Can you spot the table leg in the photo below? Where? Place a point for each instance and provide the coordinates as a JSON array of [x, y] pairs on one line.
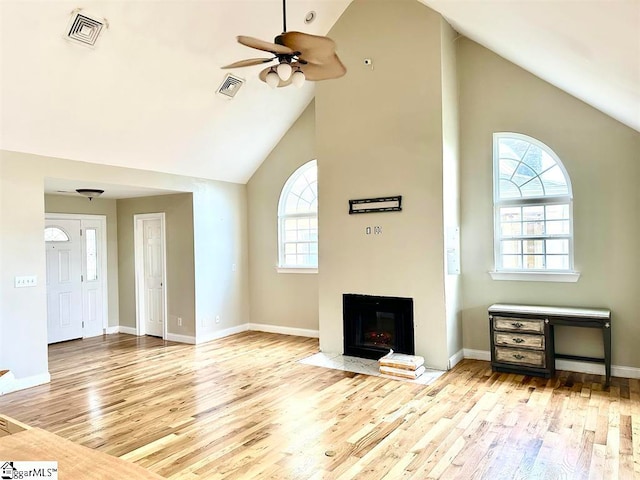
[[606, 338]]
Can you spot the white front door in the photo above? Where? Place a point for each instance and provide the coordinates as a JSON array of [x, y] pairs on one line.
[[152, 275], [64, 284]]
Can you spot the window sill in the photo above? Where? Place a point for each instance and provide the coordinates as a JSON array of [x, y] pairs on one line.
[[296, 270], [566, 277]]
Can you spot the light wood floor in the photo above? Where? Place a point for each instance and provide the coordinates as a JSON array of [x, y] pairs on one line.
[[242, 408]]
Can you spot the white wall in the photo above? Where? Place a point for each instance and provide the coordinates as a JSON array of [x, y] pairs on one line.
[[222, 259], [23, 318]]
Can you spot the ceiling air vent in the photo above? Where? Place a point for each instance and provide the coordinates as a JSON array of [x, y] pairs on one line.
[[230, 86], [84, 28]]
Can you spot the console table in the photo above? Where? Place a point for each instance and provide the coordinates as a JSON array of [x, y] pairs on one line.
[[522, 337]]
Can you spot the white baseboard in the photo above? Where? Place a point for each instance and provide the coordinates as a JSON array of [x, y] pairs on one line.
[[174, 337], [624, 372], [298, 332], [455, 359], [127, 330], [26, 382], [597, 368], [569, 365], [477, 354], [6, 382], [208, 336]]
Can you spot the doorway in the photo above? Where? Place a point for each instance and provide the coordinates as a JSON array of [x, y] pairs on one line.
[[76, 276], [150, 277]]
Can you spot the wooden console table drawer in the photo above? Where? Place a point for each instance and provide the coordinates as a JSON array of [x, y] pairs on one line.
[[520, 356], [518, 324], [519, 340]]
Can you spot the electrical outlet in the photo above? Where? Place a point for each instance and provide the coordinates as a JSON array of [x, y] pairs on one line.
[[179, 321], [233, 267], [26, 281], [217, 318]]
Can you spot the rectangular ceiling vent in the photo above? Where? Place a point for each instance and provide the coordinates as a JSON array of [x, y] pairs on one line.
[[230, 86], [85, 29]]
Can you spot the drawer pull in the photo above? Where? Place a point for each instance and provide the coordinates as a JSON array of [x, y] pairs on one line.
[[517, 324], [517, 356], [517, 340]]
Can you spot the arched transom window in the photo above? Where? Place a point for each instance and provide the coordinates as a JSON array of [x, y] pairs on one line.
[[532, 206], [298, 219], [55, 234]]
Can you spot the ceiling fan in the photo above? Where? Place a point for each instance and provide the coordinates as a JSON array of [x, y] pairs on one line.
[[300, 57]]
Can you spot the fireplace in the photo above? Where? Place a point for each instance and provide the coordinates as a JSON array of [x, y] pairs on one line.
[[374, 325]]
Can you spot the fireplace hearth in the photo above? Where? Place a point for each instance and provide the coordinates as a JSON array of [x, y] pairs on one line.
[[374, 325]]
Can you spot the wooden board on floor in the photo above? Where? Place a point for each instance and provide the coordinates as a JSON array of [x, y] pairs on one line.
[[74, 461]]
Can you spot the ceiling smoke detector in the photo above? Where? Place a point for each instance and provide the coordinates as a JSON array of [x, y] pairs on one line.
[[230, 86], [84, 28], [310, 17]]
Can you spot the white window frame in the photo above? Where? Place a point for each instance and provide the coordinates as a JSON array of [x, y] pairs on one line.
[[522, 274], [283, 216]]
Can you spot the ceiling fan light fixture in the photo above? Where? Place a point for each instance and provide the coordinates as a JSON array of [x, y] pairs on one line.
[[272, 79], [284, 71], [298, 78]]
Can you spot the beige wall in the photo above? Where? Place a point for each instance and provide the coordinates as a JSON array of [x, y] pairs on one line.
[[97, 206], [219, 218], [602, 158], [180, 287], [379, 132], [297, 294], [451, 187]]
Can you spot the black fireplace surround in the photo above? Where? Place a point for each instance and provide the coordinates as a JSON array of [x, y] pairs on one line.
[[374, 325]]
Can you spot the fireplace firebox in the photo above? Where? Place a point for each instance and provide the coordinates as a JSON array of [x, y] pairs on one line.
[[374, 325]]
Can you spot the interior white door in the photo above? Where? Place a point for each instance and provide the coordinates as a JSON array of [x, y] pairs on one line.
[[153, 264], [64, 285], [93, 277]]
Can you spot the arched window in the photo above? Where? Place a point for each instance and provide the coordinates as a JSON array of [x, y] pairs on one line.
[[532, 207], [298, 219], [55, 234]]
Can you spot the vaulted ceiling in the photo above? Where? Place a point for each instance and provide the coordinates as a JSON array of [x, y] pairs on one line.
[[145, 96]]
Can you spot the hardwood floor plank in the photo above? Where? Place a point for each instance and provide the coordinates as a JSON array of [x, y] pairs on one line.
[[242, 407]]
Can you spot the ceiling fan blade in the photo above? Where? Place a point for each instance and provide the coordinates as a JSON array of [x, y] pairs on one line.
[[313, 48], [318, 59], [249, 62], [263, 77], [264, 46]]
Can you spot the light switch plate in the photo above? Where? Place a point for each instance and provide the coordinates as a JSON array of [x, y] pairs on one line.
[[26, 281]]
